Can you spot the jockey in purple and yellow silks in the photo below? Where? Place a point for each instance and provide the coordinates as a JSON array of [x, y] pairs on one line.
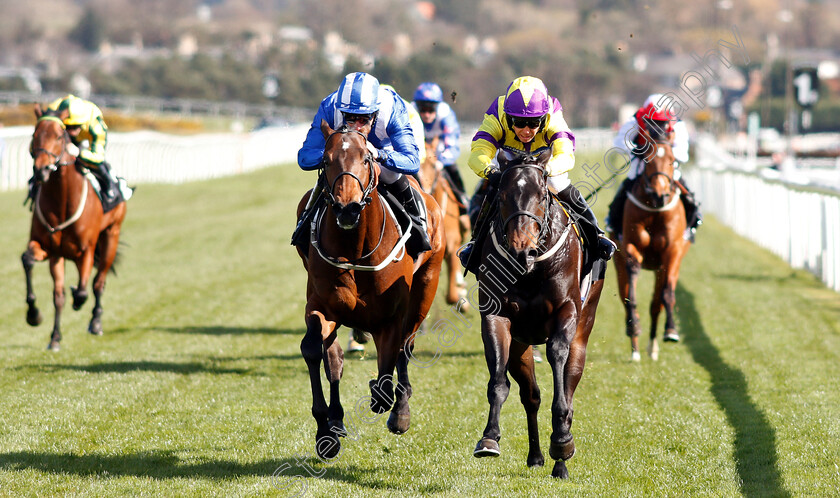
[[526, 118]]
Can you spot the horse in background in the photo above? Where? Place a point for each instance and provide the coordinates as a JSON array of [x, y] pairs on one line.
[[360, 275], [436, 183], [530, 293], [653, 238], [68, 222]]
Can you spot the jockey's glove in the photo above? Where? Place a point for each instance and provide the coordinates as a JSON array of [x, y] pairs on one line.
[[72, 149], [378, 154], [493, 177]]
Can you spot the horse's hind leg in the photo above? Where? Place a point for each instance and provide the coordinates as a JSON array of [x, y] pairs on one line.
[[108, 243], [33, 254], [495, 333], [521, 368], [312, 347], [633, 268], [57, 272], [400, 419]]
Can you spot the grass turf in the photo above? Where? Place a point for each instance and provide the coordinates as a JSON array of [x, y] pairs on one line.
[[197, 387]]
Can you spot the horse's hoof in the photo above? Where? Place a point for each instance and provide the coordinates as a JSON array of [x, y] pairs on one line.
[[562, 451], [53, 346], [536, 459], [671, 336], [487, 448], [560, 471], [95, 327], [399, 423], [327, 447], [635, 356], [337, 428], [33, 317]]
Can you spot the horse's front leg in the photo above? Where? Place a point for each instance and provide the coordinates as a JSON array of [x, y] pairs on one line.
[[669, 298], [319, 343], [57, 272], [33, 254], [562, 445], [495, 333], [521, 367]]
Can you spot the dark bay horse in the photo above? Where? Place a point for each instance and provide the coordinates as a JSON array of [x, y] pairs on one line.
[[359, 275], [67, 223], [435, 183], [653, 238], [530, 293]]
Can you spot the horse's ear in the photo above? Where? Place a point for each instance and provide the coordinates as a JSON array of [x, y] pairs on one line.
[[325, 128], [504, 157], [544, 156], [38, 111]]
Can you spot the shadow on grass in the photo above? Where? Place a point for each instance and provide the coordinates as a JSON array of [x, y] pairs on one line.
[[220, 330], [756, 460], [289, 475], [149, 366]]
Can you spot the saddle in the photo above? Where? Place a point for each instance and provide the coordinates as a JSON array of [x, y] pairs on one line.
[[108, 192]]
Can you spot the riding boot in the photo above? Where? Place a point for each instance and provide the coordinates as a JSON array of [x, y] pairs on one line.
[[457, 187], [300, 237], [693, 217], [593, 236], [484, 200], [477, 201], [107, 183], [615, 217], [418, 242]]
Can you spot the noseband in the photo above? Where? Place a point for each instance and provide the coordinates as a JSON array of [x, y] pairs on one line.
[[540, 221], [330, 188]]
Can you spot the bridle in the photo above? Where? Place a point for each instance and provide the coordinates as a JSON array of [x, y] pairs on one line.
[[329, 188], [542, 222], [647, 188], [56, 158], [54, 166]]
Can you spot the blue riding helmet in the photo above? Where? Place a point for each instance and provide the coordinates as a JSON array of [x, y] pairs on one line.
[[428, 92], [358, 94]]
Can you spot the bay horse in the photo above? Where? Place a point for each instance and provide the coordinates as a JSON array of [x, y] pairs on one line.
[[67, 223], [652, 238], [435, 183], [530, 293], [359, 275]]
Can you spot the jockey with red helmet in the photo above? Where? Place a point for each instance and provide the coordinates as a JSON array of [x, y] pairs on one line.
[[360, 101], [526, 118], [651, 122]]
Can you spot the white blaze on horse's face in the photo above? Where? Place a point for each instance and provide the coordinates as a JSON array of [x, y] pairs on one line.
[[346, 145], [521, 183], [660, 152]]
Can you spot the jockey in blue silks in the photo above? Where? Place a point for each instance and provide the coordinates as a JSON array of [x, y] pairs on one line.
[[358, 101]]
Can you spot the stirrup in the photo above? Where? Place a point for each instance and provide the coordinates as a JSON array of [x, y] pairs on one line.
[[606, 248]]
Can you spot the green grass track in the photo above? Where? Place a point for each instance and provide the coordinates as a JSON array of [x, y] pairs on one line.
[[198, 388]]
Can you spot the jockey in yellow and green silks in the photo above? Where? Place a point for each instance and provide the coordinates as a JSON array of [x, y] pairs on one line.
[[87, 117], [89, 134], [528, 119]]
